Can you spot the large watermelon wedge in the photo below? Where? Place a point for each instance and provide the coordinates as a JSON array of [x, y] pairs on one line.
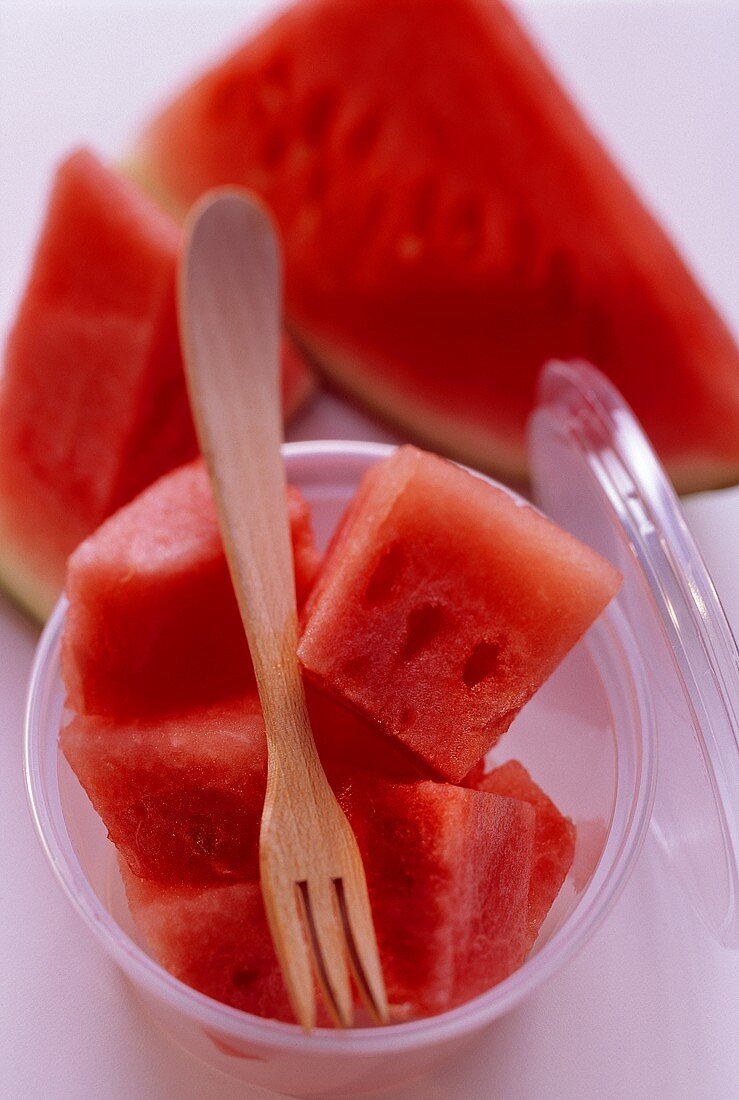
[[450, 223], [92, 402]]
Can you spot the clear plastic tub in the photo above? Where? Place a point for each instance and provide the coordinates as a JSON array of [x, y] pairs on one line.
[[589, 737]]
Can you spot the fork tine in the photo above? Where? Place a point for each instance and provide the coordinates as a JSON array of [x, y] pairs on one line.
[[289, 935], [323, 919], [361, 942]]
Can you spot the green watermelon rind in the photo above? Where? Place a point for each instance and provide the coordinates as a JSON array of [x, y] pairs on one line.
[[23, 585], [466, 441]]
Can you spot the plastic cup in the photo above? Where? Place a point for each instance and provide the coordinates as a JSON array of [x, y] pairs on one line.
[[588, 737]]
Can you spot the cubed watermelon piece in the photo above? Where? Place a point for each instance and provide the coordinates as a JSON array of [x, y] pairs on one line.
[[348, 743], [181, 796], [448, 872], [554, 836], [153, 622], [448, 877], [443, 604], [213, 938], [93, 405]]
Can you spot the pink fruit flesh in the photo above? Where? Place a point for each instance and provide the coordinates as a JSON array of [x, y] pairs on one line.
[[181, 796], [443, 604], [153, 623], [93, 405], [448, 872], [214, 938], [448, 877], [554, 836], [450, 224]]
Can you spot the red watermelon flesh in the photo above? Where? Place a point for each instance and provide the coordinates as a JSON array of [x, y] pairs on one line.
[[180, 796], [443, 604], [93, 404], [153, 622], [450, 223], [448, 872], [348, 742], [214, 938], [554, 836], [448, 877]]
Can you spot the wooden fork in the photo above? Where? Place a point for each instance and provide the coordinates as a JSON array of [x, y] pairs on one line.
[[313, 882]]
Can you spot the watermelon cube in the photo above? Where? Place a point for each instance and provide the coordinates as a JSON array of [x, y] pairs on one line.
[[213, 938], [181, 796], [443, 604], [448, 872], [348, 743], [153, 622], [554, 836], [93, 405]]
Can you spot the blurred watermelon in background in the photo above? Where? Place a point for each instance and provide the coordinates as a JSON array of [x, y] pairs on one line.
[[450, 223]]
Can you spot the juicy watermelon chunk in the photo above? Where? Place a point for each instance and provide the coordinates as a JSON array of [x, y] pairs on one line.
[[554, 836], [442, 606], [348, 742], [153, 622], [448, 873], [448, 878], [180, 796], [93, 404], [213, 938], [450, 223]]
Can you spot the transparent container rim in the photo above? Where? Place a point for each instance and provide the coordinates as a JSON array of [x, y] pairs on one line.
[[593, 906]]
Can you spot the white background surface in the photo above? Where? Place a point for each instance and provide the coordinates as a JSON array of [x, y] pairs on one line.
[[650, 1009]]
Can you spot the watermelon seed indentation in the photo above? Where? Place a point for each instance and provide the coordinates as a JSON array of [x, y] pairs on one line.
[[320, 111], [482, 663], [406, 717], [242, 979], [425, 623], [384, 575], [468, 220], [274, 148], [363, 135]]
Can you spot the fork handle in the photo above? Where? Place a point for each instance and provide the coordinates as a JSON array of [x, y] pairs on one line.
[[229, 300]]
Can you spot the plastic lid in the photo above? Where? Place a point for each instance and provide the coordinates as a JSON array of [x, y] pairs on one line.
[[596, 474]]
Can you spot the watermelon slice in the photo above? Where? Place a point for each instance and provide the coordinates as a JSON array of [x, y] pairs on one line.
[[554, 836], [448, 878], [93, 404], [349, 742], [442, 606], [214, 938], [153, 622], [181, 796], [450, 223], [449, 904]]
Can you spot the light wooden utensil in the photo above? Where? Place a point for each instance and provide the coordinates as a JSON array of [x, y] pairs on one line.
[[313, 882]]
